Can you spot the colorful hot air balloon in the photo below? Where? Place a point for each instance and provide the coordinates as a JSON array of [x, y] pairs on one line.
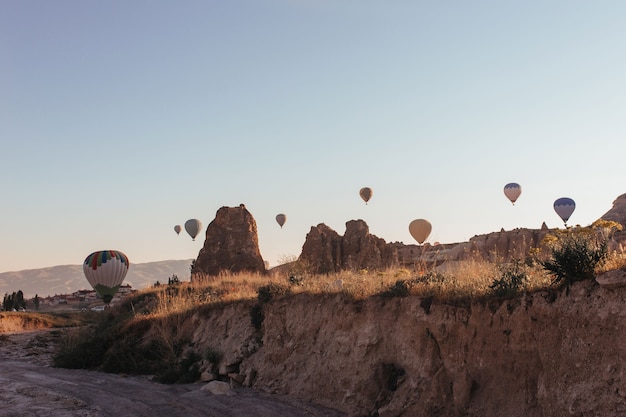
[[420, 230], [366, 193], [564, 207], [105, 270], [193, 227], [281, 219], [512, 191], [177, 229]]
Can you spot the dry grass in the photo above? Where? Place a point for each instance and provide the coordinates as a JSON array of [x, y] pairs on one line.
[[616, 260], [23, 321], [454, 280]]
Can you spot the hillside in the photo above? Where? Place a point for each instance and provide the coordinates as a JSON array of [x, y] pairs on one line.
[[66, 279]]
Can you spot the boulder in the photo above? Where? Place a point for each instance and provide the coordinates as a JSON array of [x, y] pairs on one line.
[[231, 244], [218, 388]]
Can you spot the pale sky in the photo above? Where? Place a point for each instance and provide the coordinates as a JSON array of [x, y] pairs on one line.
[[120, 119]]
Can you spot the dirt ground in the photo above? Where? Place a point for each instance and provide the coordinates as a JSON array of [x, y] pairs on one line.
[[30, 386]]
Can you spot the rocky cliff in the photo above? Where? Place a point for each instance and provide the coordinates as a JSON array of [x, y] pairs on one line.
[[544, 354]]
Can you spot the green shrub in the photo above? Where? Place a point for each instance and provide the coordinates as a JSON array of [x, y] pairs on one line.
[[268, 292], [574, 257], [513, 278]]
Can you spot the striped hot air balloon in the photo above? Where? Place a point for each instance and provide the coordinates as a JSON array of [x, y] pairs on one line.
[[105, 270]]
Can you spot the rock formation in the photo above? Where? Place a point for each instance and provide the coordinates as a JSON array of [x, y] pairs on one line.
[[325, 251], [618, 211], [618, 214], [231, 244]]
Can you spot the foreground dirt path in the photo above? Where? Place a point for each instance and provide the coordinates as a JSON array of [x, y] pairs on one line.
[[30, 387]]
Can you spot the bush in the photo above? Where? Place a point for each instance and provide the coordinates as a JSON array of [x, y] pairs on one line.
[[269, 292], [574, 257], [401, 288], [513, 278]]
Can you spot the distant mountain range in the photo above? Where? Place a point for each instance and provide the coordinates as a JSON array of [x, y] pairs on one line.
[[66, 279]]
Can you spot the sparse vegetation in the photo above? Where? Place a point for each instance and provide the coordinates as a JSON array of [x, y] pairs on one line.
[[150, 332], [513, 278]]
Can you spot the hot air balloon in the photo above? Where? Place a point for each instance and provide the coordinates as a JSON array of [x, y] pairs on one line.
[[281, 219], [366, 193], [177, 229], [512, 191], [193, 227], [105, 270], [420, 229], [564, 207]]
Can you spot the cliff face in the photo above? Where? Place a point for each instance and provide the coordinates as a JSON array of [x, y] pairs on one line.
[[545, 354]]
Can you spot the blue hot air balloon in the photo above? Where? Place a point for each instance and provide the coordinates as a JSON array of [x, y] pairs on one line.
[[564, 207], [512, 191]]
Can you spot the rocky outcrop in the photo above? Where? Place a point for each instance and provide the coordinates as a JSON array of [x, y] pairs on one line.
[[618, 211], [231, 244], [542, 354], [325, 251], [503, 246], [618, 214]]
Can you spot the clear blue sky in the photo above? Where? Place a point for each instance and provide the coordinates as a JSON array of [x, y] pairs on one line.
[[121, 119]]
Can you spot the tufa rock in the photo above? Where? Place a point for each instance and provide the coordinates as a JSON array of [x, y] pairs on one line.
[[231, 244], [618, 211], [325, 251]]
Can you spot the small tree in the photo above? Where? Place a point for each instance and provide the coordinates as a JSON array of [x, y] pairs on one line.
[[575, 254], [8, 302], [19, 300]]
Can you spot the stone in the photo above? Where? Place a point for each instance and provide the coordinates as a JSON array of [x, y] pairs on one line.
[[231, 244], [218, 388], [612, 279]]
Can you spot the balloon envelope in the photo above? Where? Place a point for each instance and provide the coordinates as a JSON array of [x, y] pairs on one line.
[[177, 229], [366, 193], [564, 207], [193, 227], [281, 219], [420, 230], [512, 191], [105, 270]]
